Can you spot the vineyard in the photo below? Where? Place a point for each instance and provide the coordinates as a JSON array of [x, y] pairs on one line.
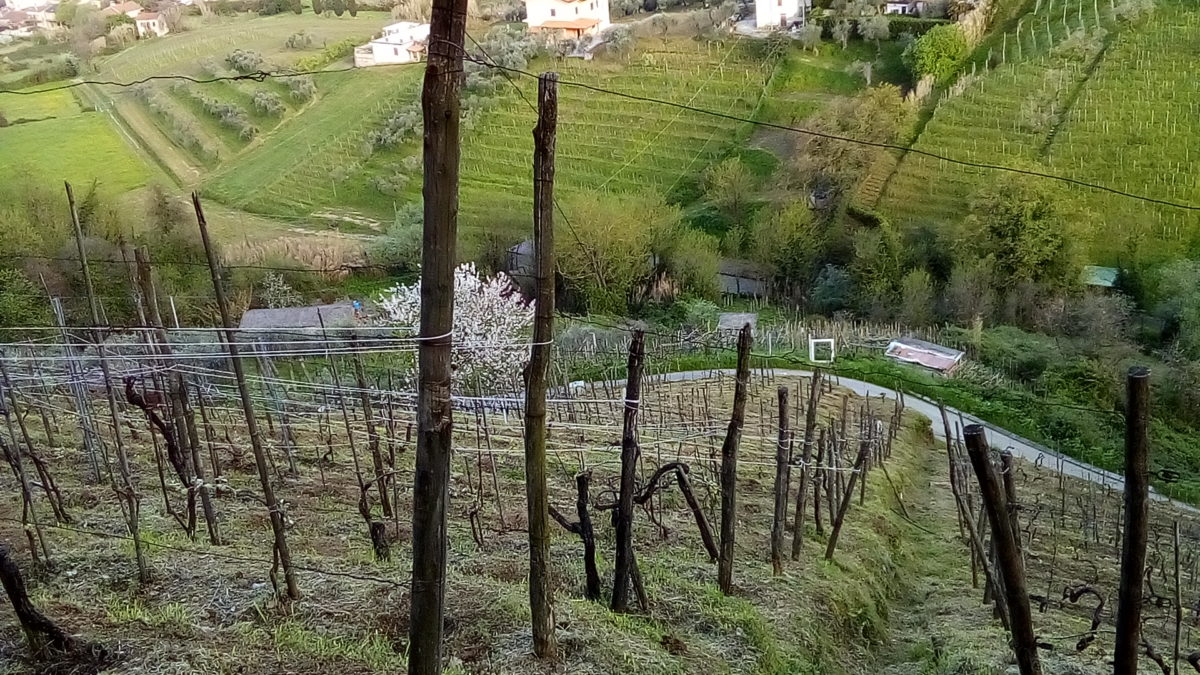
[[326, 418], [1078, 92], [882, 577], [617, 145]]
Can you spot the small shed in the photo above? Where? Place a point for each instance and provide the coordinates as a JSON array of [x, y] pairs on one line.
[[927, 354], [1101, 277], [286, 324], [734, 321]]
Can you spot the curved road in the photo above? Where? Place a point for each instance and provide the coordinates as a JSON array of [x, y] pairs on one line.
[[997, 437]]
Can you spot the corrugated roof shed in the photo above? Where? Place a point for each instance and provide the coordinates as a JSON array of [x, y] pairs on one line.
[[339, 314], [927, 354], [1100, 276]]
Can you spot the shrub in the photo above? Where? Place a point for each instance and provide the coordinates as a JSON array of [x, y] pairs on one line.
[[268, 103], [400, 248], [244, 61], [938, 53], [299, 40], [301, 87], [328, 54], [400, 126]]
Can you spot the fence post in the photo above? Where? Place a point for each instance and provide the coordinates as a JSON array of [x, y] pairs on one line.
[[729, 457], [1008, 555], [239, 373], [782, 484], [629, 453], [541, 592], [1133, 549]]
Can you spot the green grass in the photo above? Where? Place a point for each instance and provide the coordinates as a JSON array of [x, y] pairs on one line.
[[216, 37], [1126, 120], [288, 170], [38, 106], [77, 146]]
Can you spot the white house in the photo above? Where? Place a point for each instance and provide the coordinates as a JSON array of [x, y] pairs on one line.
[[905, 7], [151, 24], [780, 13], [45, 17], [23, 5], [402, 42], [130, 9], [573, 18]]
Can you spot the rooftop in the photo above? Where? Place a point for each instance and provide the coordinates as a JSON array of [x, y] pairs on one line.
[[1100, 276], [574, 24], [335, 315], [927, 354]]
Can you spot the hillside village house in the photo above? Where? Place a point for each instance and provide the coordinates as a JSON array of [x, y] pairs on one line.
[[151, 24], [130, 9], [26, 5], [571, 18], [402, 42], [780, 13], [905, 7]]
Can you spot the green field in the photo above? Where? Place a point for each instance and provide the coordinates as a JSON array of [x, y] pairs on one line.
[[312, 163], [67, 142], [1126, 118]]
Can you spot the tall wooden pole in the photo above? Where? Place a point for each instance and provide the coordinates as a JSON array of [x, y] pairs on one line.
[[729, 458], [806, 475], [629, 456], [235, 361], [1008, 555], [782, 485], [1137, 492], [541, 593], [440, 109], [125, 492], [178, 391]]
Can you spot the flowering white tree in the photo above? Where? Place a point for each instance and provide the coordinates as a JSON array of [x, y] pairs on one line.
[[491, 322]]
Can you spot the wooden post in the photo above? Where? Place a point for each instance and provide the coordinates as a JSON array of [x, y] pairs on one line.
[[806, 476], [856, 474], [729, 457], [235, 361], [1011, 567], [440, 109], [178, 390], [381, 474], [1133, 549], [541, 592], [1178, 600], [125, 492], [79, 395], [629, 455], [782, 485], [1010, 495]]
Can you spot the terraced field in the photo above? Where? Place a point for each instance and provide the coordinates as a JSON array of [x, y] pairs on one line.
[[1125, 116], [605, 142]]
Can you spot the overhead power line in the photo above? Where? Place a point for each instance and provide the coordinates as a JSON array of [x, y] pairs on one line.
[[256, 76]]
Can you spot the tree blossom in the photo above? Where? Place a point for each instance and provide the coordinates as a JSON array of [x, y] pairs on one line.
[[491, 325]]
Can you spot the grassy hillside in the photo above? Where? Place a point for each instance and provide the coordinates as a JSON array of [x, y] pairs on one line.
[[52, 138], [1112, 108]]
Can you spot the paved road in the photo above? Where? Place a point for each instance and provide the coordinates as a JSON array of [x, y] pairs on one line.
[[1000, 438]]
